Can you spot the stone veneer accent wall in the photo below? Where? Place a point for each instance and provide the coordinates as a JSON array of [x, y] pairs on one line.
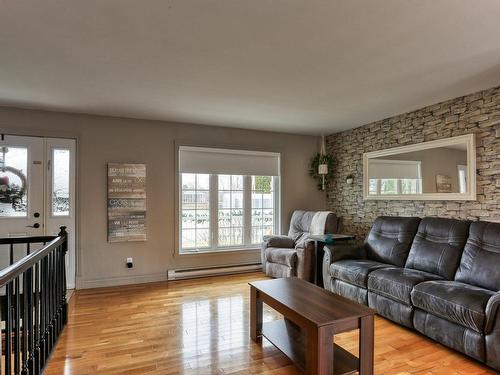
[[477, 113]]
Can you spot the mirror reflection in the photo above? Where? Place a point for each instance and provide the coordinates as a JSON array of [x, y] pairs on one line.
[[429, 171]]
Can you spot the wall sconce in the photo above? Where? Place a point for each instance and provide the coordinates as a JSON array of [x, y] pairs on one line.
[[349, 179]]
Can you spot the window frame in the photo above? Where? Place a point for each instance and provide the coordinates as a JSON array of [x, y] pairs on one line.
[[399, 186], [195, 210], [214, 247]]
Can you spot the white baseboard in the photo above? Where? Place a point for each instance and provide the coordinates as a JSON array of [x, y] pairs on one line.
[[122, 280], [69, 293], [172, 275]]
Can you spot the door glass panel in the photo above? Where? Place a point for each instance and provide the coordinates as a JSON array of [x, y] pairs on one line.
[[60, 182], [13, 181]]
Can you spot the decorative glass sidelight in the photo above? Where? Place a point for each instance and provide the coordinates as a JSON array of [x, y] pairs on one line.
[[13, 181], [60, 182]]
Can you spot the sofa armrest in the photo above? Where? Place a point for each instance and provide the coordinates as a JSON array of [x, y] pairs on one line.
[[492, 312], [306, 261], [279, 241], [334, 253]]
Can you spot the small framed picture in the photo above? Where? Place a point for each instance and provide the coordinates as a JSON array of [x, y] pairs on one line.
[[443, 183]]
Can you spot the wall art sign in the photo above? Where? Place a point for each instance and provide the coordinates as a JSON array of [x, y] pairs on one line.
[[126, 202]]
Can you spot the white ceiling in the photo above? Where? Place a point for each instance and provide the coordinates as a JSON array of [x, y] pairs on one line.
[[301, 66]]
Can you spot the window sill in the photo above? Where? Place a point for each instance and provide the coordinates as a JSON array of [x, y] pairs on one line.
[[217, 251]]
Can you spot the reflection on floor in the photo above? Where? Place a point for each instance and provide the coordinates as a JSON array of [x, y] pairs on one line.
[[201, 327]]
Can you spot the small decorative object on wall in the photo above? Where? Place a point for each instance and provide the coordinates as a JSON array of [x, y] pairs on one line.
[[443, 183], [321, 167], [126, 202]]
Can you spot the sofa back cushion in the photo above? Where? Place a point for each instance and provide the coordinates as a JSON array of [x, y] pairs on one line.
[[480, 262], [300, 224], [438, 245], [390, 239]]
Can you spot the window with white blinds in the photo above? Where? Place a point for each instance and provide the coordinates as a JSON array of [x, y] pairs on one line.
[[229, 199], [389, 177]]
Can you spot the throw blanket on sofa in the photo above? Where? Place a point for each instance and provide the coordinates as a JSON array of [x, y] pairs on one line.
[[318, 222]]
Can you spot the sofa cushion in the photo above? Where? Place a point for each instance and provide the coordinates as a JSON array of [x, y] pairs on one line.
[[397, 283], [480, 262], [300, 223], [438, 245], [287, 257], [355, 271], [454, 301], [390, 239]]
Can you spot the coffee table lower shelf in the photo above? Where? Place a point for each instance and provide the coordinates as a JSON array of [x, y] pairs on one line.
[[289, 339]]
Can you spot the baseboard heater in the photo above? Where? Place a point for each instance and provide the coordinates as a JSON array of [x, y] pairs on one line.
[[191, 273]]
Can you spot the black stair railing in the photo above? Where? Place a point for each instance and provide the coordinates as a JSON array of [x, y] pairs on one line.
[[33, 305]]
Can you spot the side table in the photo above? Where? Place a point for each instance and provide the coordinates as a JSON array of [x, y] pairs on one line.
[[320, 241]]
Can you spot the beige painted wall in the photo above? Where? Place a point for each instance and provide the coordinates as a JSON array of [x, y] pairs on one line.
[[106, 139]]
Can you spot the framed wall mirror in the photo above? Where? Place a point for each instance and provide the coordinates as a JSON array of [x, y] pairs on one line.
[[437, 170]]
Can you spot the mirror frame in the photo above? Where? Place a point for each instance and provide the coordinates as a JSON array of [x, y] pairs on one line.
[[469, 139]]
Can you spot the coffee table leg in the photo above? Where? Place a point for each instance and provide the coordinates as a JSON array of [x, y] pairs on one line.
[[366, 346], [319, 351], [255, 315]]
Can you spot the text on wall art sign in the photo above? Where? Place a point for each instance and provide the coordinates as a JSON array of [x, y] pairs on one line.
[[126, 202]]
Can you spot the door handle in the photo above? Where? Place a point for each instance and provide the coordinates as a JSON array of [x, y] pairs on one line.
[[36, 226]]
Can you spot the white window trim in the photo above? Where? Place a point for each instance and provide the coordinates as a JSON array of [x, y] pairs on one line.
[[213, 208]]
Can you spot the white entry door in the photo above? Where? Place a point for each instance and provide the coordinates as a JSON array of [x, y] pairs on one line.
[[37, 191]]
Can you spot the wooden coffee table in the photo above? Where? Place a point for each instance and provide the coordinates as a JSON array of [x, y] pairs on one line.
[[312, 317]]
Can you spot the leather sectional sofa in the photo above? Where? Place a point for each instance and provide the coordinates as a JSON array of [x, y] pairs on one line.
[[438, 276]]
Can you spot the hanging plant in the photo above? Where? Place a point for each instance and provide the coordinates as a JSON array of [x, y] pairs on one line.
[[323, 179]]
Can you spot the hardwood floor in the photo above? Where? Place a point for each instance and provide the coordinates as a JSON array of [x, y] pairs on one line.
[[202, 327]]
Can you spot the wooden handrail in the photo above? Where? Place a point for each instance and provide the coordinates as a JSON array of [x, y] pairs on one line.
[[25, 239], [16, 269]]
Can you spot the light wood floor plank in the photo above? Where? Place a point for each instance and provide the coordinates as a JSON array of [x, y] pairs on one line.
[[200, 326]]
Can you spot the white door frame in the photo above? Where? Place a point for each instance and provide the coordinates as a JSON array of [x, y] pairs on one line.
[[43, 172]]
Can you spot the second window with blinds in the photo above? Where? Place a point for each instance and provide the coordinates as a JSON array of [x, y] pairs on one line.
[[223, 210]]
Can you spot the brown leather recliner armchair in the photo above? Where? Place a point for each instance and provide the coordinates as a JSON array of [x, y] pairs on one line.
[[293, 255]]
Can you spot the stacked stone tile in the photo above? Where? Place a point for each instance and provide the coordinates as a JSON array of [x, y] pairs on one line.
[[477, 113]]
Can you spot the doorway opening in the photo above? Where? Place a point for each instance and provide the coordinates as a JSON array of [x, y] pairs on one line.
[[37, 192]]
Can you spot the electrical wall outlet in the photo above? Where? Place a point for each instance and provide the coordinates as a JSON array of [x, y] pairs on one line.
[[130, 262]]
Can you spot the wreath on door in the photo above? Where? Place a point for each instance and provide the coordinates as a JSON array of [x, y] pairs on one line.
[[11, 193]]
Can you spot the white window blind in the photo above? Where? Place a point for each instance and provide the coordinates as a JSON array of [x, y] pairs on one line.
[[394, 169], [226, 161]]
